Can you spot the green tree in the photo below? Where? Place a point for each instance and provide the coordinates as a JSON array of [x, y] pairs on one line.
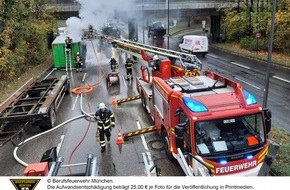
[[24, 24], [247, 18]]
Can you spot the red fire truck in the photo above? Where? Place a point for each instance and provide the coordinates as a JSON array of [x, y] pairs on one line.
[[217, 126]]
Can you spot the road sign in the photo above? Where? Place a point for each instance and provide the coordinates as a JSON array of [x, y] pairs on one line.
[[203, 23]]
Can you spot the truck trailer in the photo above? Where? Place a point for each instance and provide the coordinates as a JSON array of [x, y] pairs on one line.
[[35, 103]]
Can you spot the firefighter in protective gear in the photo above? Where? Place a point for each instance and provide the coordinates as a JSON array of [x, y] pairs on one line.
[[91, 31], [106, 121], [129, 67], [157, 62], [114, 64], [79, 62], [68, 42]]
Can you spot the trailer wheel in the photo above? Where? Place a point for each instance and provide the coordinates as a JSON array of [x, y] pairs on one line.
[[67, 87], [166, 145], [49, 122]]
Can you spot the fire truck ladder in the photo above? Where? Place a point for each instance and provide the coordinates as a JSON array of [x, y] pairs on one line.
[[135, 48], [68, 60], [128, 99], [139, 132]]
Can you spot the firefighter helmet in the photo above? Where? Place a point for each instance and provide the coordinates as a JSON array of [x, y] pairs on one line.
[[102, 105], [78, 53], [155, 57]]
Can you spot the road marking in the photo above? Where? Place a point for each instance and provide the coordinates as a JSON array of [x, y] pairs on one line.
[[142, 136], [124, 80], [248, 83], [279, 78], [237, 64], [74, 105], [145, 145], [84, 77], [212, 55]]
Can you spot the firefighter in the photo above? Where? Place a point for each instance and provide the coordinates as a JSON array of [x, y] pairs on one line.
[[68, 42], [91, 31], [106, 122], [113, 64], [157, 62], [129, 67], [79, 62]]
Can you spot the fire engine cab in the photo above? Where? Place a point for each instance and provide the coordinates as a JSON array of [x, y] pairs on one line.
[[216, 124]]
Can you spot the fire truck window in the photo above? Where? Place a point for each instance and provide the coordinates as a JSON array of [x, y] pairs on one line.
[[230, 134]]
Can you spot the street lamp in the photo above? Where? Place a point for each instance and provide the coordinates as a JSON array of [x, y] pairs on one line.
[[167, 24], [265, 99]]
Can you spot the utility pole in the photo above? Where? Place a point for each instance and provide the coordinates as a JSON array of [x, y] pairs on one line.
[[265, 99], [167, 24]]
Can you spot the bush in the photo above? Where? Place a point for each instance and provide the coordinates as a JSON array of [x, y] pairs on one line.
[[253, 44]]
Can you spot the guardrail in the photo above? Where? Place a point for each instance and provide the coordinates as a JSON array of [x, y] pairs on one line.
[[151, 5]]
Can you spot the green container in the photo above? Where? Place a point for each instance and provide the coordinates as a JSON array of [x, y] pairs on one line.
[[58, 51]]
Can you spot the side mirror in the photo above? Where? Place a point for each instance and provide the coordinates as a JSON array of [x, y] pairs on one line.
[[268, 115], [178, 112]]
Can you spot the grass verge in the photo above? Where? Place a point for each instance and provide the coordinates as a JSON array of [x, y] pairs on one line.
[[277, 58]]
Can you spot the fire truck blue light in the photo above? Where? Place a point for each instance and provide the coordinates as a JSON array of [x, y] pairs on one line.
[[249, 157], [194, 105], [250, 98], [223, 162]]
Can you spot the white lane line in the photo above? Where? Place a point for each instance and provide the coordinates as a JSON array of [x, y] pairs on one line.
[[74, 105], [84, 77], [212, 55], [248, 83], [124, 80], [145, 146], [279, 78], [142, 136], [237, 64]]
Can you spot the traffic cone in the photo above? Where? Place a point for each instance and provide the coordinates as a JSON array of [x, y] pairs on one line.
[[114, 101], [120, 138]]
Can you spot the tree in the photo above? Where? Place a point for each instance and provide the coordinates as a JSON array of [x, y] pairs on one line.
[[241, 26], [24, 24]]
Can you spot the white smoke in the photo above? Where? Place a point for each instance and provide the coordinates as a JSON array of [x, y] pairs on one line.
[[95, 13]]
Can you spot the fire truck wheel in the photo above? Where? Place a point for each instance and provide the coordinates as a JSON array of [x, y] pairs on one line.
[[166, 145], [143, 102], [49, 122], [67, 87]]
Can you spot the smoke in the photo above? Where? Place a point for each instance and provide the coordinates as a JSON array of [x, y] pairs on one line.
[[96, 13]]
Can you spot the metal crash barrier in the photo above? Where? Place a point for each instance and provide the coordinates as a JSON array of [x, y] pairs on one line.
[[91, 167]]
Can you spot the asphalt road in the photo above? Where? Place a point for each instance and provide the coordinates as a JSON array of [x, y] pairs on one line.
[[126, 159]]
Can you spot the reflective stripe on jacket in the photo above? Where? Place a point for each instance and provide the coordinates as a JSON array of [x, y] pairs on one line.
[[129, 65], [105, 119]]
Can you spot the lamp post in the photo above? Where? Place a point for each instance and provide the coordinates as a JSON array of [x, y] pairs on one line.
[[265, 99], [167, 24]]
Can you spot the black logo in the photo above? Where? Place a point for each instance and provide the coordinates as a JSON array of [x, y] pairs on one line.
[[25, 184]]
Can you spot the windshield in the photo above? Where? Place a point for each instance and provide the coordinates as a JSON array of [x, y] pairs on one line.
[[229, 135]]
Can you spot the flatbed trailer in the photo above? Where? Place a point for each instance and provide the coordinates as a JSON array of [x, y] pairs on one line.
[[36, 103]]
